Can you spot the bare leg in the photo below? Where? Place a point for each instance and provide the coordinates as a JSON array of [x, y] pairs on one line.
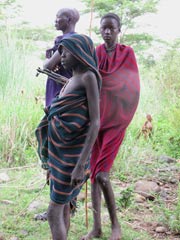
[[103, 179], [67, 216], [43, 216], [55, 216], [96, 232]]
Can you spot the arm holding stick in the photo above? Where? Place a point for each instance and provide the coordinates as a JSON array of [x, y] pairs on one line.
[[48, 67]]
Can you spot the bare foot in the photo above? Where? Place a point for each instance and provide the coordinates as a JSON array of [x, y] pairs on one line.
[[116, 233], [93, 234], [41, 216]]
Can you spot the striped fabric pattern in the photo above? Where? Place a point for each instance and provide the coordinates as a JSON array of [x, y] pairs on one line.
[[61, 135]]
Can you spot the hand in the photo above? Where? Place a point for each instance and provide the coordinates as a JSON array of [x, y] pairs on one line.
[[49, 53], [77, 175], [47, 177]]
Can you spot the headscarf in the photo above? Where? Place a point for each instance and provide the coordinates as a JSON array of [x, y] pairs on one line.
[[82, 48]]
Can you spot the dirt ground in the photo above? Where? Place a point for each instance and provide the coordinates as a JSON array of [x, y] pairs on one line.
[[146, 217]]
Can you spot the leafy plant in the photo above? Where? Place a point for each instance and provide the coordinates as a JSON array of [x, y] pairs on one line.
[[126, 198], [171, 217]]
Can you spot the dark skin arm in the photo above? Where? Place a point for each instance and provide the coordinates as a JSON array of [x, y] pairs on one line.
[[90, 84], [50, 63]]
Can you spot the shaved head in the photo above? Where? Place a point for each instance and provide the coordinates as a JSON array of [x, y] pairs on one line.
[[71, 13]]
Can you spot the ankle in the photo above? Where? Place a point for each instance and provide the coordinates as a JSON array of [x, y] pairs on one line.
[[97, 230], [116, 225]]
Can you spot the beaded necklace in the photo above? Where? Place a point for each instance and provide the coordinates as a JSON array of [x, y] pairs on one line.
[[110, 49]]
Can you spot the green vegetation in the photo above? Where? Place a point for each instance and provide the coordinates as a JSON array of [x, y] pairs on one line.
[[171, 217], [20, 111]]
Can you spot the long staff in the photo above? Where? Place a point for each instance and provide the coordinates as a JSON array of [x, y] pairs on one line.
[[86, 184]]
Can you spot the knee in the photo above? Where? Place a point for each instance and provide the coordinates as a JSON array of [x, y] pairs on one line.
[[102, 178], [52, 211]]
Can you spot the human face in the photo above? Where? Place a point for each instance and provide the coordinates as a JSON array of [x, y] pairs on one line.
[[68, 61], [61, 22], [109, 30]]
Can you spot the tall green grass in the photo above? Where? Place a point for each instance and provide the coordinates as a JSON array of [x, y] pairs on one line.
[[19, 110]]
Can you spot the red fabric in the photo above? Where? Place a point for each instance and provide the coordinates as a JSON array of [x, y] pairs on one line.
[[118, 103]]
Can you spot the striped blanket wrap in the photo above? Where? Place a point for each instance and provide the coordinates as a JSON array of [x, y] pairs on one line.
[[61, 135]]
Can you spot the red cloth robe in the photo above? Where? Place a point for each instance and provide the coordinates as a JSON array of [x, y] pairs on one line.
[[118, 102]]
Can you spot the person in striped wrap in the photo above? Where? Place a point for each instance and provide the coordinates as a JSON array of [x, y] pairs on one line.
[[67, 132]]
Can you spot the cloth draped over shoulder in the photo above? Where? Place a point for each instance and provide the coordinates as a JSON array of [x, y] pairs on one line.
[[62, 131], [118, 102]]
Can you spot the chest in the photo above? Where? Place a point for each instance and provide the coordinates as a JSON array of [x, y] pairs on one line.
[[73, 84]]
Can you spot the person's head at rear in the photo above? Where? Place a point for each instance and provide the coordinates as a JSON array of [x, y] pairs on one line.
[[66, 19], [110, 27]]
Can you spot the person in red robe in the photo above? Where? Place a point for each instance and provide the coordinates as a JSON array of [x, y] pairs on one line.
[[118, 103]]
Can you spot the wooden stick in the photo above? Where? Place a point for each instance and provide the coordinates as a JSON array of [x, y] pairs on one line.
[[55, 76], [86, 207], [24, 211], [18, 168]]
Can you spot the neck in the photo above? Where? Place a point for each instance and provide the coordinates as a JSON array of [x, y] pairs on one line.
[[69, 29], [80, 68], [110, 48]]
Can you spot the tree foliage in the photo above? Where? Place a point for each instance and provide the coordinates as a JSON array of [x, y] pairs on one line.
[[8, 9], [128, 11]]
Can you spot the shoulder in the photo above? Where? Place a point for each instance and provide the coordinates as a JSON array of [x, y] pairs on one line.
[[125, 48], [88, 75], [89, 78], [100, 51], [99, 47], [90, 83], [58, 39]]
